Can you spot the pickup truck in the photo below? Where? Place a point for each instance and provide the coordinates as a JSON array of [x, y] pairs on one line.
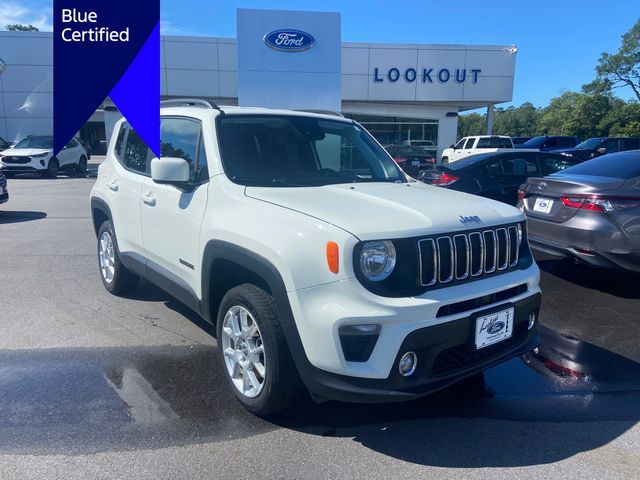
[[474, 145]]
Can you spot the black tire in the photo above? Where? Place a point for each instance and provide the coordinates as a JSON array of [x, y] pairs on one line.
[[81, 167], [52, 168], [122, 280], [282, 385]]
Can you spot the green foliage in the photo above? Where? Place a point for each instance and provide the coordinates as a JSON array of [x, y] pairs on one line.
[[16, 27], [621, 69], [592, 112]]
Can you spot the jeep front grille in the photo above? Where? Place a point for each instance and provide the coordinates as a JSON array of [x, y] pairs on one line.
[[461, 256]]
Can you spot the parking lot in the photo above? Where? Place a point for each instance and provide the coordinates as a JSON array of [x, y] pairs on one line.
[[96, 386]]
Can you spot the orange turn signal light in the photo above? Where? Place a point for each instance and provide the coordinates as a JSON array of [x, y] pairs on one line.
[[333, 256]]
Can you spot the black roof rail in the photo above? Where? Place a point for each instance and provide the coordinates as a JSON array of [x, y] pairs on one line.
[[323, 112], [190, 102]]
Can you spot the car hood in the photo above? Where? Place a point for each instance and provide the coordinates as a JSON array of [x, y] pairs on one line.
[[389, 210], [25, 152]]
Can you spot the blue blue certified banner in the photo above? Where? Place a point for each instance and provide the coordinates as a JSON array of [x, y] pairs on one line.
[[106, 48]]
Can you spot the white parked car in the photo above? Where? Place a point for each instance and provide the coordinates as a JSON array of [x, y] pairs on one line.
[[34, 154], [474, 145], [320, 265]]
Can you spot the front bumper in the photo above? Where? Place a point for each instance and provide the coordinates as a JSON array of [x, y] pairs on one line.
[[437, 320], [446, 354], [23, 168]]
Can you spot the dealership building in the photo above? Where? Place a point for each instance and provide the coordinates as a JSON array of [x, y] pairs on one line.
[[402, 93]]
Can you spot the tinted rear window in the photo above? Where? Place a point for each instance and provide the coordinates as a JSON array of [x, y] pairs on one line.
[[623, 165], [410, 151], [494, 142]]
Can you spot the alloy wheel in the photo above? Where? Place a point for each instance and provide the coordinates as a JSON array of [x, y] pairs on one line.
[[243, 349], [107, 257]]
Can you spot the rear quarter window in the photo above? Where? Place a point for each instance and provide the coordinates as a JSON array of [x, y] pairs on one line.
[[120, 140]]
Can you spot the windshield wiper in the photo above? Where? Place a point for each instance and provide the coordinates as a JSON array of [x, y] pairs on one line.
[[263, 182]]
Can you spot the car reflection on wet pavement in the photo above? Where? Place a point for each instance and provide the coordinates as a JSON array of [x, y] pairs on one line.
[[90, 400]]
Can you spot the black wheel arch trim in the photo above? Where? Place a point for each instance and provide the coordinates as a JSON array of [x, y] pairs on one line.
[[100, 205], [218, 249]]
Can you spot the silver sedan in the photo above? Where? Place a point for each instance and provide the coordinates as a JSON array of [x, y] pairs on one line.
[[589, 212]]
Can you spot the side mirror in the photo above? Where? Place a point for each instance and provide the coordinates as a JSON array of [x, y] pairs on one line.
[[171, 171], [452, 146], [601, 151]]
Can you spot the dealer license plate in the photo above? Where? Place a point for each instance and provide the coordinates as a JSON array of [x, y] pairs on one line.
[[415, 163], [494, 328], [543, 205]]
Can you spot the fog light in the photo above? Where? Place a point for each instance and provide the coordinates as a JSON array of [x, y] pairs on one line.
[[532, 320], [408, 364], [42, 162]]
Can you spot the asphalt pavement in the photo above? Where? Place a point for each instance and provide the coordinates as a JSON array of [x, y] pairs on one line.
[[98, 386]]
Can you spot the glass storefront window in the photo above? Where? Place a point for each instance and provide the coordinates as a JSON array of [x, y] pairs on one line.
[[400, 130]]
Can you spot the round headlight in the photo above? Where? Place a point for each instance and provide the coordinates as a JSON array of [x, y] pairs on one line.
[[377, 260]]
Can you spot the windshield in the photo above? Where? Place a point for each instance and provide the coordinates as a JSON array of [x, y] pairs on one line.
[[35, 142], [535, 142], [590, 143], [298, 151]]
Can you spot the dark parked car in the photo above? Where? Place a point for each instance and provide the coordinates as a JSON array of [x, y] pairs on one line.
[[547, 143], [519, 140], [594, 147], [495, 175], [410, 158], [4, 194], [4, 144], [589, 212]]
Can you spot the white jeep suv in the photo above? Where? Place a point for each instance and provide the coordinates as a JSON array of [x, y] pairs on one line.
[[321, 266]]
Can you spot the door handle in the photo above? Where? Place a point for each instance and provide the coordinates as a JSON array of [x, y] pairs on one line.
[[149, 199], [113, 186]]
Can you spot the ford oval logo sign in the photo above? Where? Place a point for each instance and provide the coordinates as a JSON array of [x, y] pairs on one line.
[[495, 327], [289, 40]]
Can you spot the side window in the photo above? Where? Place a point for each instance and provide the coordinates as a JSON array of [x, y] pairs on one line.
[[630, 144], [460, 144], [554, 163], [494, 168], [470, 142], [71, 143], [567, 142], [612, 145], [180, 137], [136, 153], [520, 166], [551, 143]]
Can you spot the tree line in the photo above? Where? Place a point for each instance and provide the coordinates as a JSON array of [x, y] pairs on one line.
[[594, 111]]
